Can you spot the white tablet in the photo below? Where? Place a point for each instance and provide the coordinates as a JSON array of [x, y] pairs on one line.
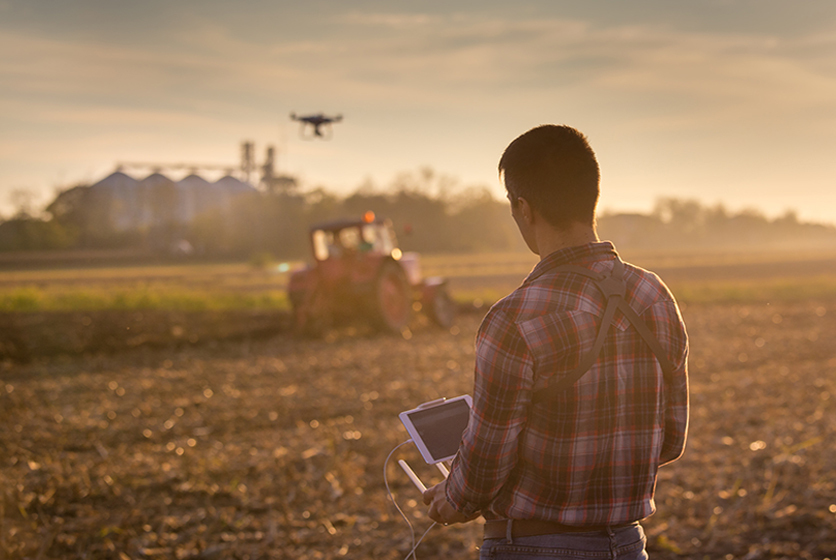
[[436, 427]]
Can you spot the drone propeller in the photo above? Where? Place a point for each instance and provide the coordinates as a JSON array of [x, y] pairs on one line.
[[319, 123]]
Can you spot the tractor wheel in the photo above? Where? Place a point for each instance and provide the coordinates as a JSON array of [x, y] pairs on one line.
[[312, 317], [392, 298], [442, 309]]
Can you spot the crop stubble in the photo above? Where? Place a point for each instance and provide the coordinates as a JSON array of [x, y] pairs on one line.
[[274, 448]]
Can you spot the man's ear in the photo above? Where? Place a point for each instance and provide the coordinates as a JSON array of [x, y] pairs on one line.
[[526, 211]]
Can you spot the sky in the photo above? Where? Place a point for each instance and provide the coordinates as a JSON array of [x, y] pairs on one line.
[[724, 101]]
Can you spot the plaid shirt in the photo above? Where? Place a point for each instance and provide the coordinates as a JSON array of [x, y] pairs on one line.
[[590, 456]]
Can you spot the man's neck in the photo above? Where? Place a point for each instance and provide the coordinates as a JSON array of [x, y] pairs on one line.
[[550, 239]]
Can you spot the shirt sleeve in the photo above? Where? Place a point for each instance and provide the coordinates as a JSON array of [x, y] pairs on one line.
[[676, 400], [501, 396]]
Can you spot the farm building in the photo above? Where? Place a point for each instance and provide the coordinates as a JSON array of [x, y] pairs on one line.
[[118, 194], [156, 200]]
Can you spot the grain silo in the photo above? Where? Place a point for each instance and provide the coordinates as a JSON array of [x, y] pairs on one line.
[[233, 186], [193, 197], [156, 201], [116, 197], [228, 187]]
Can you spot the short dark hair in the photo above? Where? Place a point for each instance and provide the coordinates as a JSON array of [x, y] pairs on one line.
[[555, 170]]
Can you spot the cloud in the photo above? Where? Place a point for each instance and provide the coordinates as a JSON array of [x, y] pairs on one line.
[[458, 55], [390, 20], [456, 60]]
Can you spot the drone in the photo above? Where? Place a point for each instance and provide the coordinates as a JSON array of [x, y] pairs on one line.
[[320, 123]]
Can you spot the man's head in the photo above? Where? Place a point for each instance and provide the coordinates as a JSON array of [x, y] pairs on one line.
[[555, 170]]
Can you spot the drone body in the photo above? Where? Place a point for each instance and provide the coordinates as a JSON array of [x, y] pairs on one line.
[[319, 124]]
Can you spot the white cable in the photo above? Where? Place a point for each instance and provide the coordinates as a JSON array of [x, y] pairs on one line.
[[397, 507], [412, 552], [391, 497]]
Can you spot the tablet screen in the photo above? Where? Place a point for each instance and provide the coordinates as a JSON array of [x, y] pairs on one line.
[[441, 427]]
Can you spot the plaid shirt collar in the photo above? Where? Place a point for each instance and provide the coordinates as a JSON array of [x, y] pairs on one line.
[[579, 254]]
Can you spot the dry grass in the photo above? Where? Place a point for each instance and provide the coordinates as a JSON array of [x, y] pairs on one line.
[[696, 277], [178, 287]]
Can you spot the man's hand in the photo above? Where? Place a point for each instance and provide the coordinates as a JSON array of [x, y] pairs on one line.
[[441, 511]]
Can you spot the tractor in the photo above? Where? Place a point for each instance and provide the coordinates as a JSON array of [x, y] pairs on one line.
[[359, 273]]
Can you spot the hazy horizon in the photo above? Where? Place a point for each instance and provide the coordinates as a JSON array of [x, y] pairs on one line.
[[727, 101]]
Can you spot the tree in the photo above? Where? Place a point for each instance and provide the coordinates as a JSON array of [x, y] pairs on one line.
[[25, 233]]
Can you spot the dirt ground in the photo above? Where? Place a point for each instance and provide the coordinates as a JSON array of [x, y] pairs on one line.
[[275, 447]]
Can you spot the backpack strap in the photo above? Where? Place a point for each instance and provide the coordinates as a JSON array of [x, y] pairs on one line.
[[614, 289]]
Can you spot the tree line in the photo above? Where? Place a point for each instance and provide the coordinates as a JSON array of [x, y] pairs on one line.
[[431, 213], [689, 224]]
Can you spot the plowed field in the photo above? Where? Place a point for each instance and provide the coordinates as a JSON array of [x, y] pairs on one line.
[[275, 447]]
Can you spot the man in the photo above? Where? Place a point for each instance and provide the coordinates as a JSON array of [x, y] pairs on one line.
[[569, 425]]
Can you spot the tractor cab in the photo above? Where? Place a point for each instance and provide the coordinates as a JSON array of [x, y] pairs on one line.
[[333, 240]]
